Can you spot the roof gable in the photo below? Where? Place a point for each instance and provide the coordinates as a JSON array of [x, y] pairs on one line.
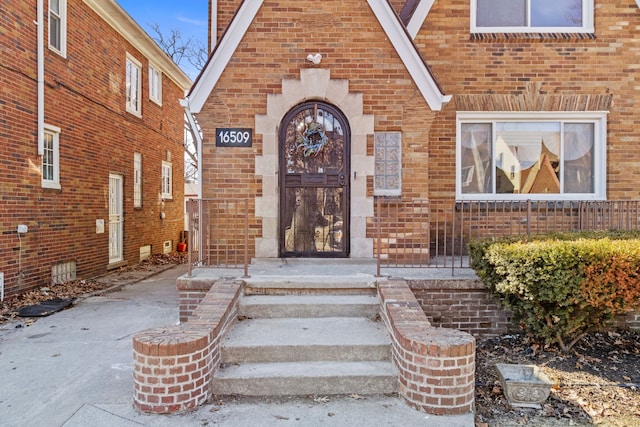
[[409, 54], [222, 54], [388, 19], [419, 15]]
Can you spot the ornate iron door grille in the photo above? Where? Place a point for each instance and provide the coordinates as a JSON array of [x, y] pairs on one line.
[[314, 182]]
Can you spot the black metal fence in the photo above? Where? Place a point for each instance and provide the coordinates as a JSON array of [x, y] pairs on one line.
[[410, 234]]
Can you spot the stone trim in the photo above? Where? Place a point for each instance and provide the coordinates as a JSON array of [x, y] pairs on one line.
[[314, 83]]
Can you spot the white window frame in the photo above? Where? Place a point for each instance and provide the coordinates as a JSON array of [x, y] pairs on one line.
[[54, 133], [167, 180], [155, 84], [61, 15], [599, 120], [133, 88], [588, 11], [137, 180]]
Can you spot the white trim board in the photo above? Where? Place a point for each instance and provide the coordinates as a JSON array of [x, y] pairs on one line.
[[419, 16], [222, 54], [409, 54], [387, 18]]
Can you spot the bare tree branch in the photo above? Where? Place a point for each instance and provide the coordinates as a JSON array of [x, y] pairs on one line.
[[195, 53]]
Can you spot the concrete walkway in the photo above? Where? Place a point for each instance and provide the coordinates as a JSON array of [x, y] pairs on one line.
[[74, 368]]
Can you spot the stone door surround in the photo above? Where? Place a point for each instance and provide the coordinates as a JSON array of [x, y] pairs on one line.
[[314, 84]]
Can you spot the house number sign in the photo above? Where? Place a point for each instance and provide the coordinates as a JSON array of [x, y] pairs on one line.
[[233, 137]]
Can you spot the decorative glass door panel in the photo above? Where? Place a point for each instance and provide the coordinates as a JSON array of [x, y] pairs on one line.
[[314, 182]]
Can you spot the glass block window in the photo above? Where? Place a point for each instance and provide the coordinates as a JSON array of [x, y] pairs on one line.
[[388, 164]]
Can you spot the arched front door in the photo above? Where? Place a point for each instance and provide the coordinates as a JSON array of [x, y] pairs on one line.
[[314, 182]]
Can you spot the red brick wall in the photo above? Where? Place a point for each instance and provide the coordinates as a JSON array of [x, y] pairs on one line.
[[275, 49], [84, 97], [467, 305], [190, 293], [226, 10], [174, 366], [436, 366], [477, 71], [549, 67], [461, 304]]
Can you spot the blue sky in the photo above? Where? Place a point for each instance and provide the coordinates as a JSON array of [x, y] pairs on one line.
[[189, 16]]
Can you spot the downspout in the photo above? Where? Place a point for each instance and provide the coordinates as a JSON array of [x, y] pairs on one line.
[[198, 140], [196, 134], [40, 42], [213, 26]]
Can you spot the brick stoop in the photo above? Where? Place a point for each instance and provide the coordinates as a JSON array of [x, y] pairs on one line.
[[304, 336], [306, 344], [436, 365], [173, 366]]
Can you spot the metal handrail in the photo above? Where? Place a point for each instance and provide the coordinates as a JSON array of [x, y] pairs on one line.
[[445, 227], [411, 233]]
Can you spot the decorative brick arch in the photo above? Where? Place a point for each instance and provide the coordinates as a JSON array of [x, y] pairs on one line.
[[314, 83]]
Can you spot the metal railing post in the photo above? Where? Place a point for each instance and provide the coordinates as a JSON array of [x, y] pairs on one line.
[[246, 238], [190, 237], [377, 217], [528, 217], [453, 237]]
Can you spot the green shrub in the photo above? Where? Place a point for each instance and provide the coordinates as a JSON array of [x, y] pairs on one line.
[[561, 286]]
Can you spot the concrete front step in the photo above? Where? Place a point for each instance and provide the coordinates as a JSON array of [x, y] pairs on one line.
[[307, 335], [306, 339], [304, 378], [355, 284], [265, 306]]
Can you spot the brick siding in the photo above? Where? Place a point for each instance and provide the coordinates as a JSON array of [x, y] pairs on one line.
[[461, 304], [190, 293], [85, 98], [436, 365], [555, 72], [467, 305], [174, 366]]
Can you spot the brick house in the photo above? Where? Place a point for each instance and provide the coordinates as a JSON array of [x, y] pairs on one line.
[[315, 113], [92, 142]]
